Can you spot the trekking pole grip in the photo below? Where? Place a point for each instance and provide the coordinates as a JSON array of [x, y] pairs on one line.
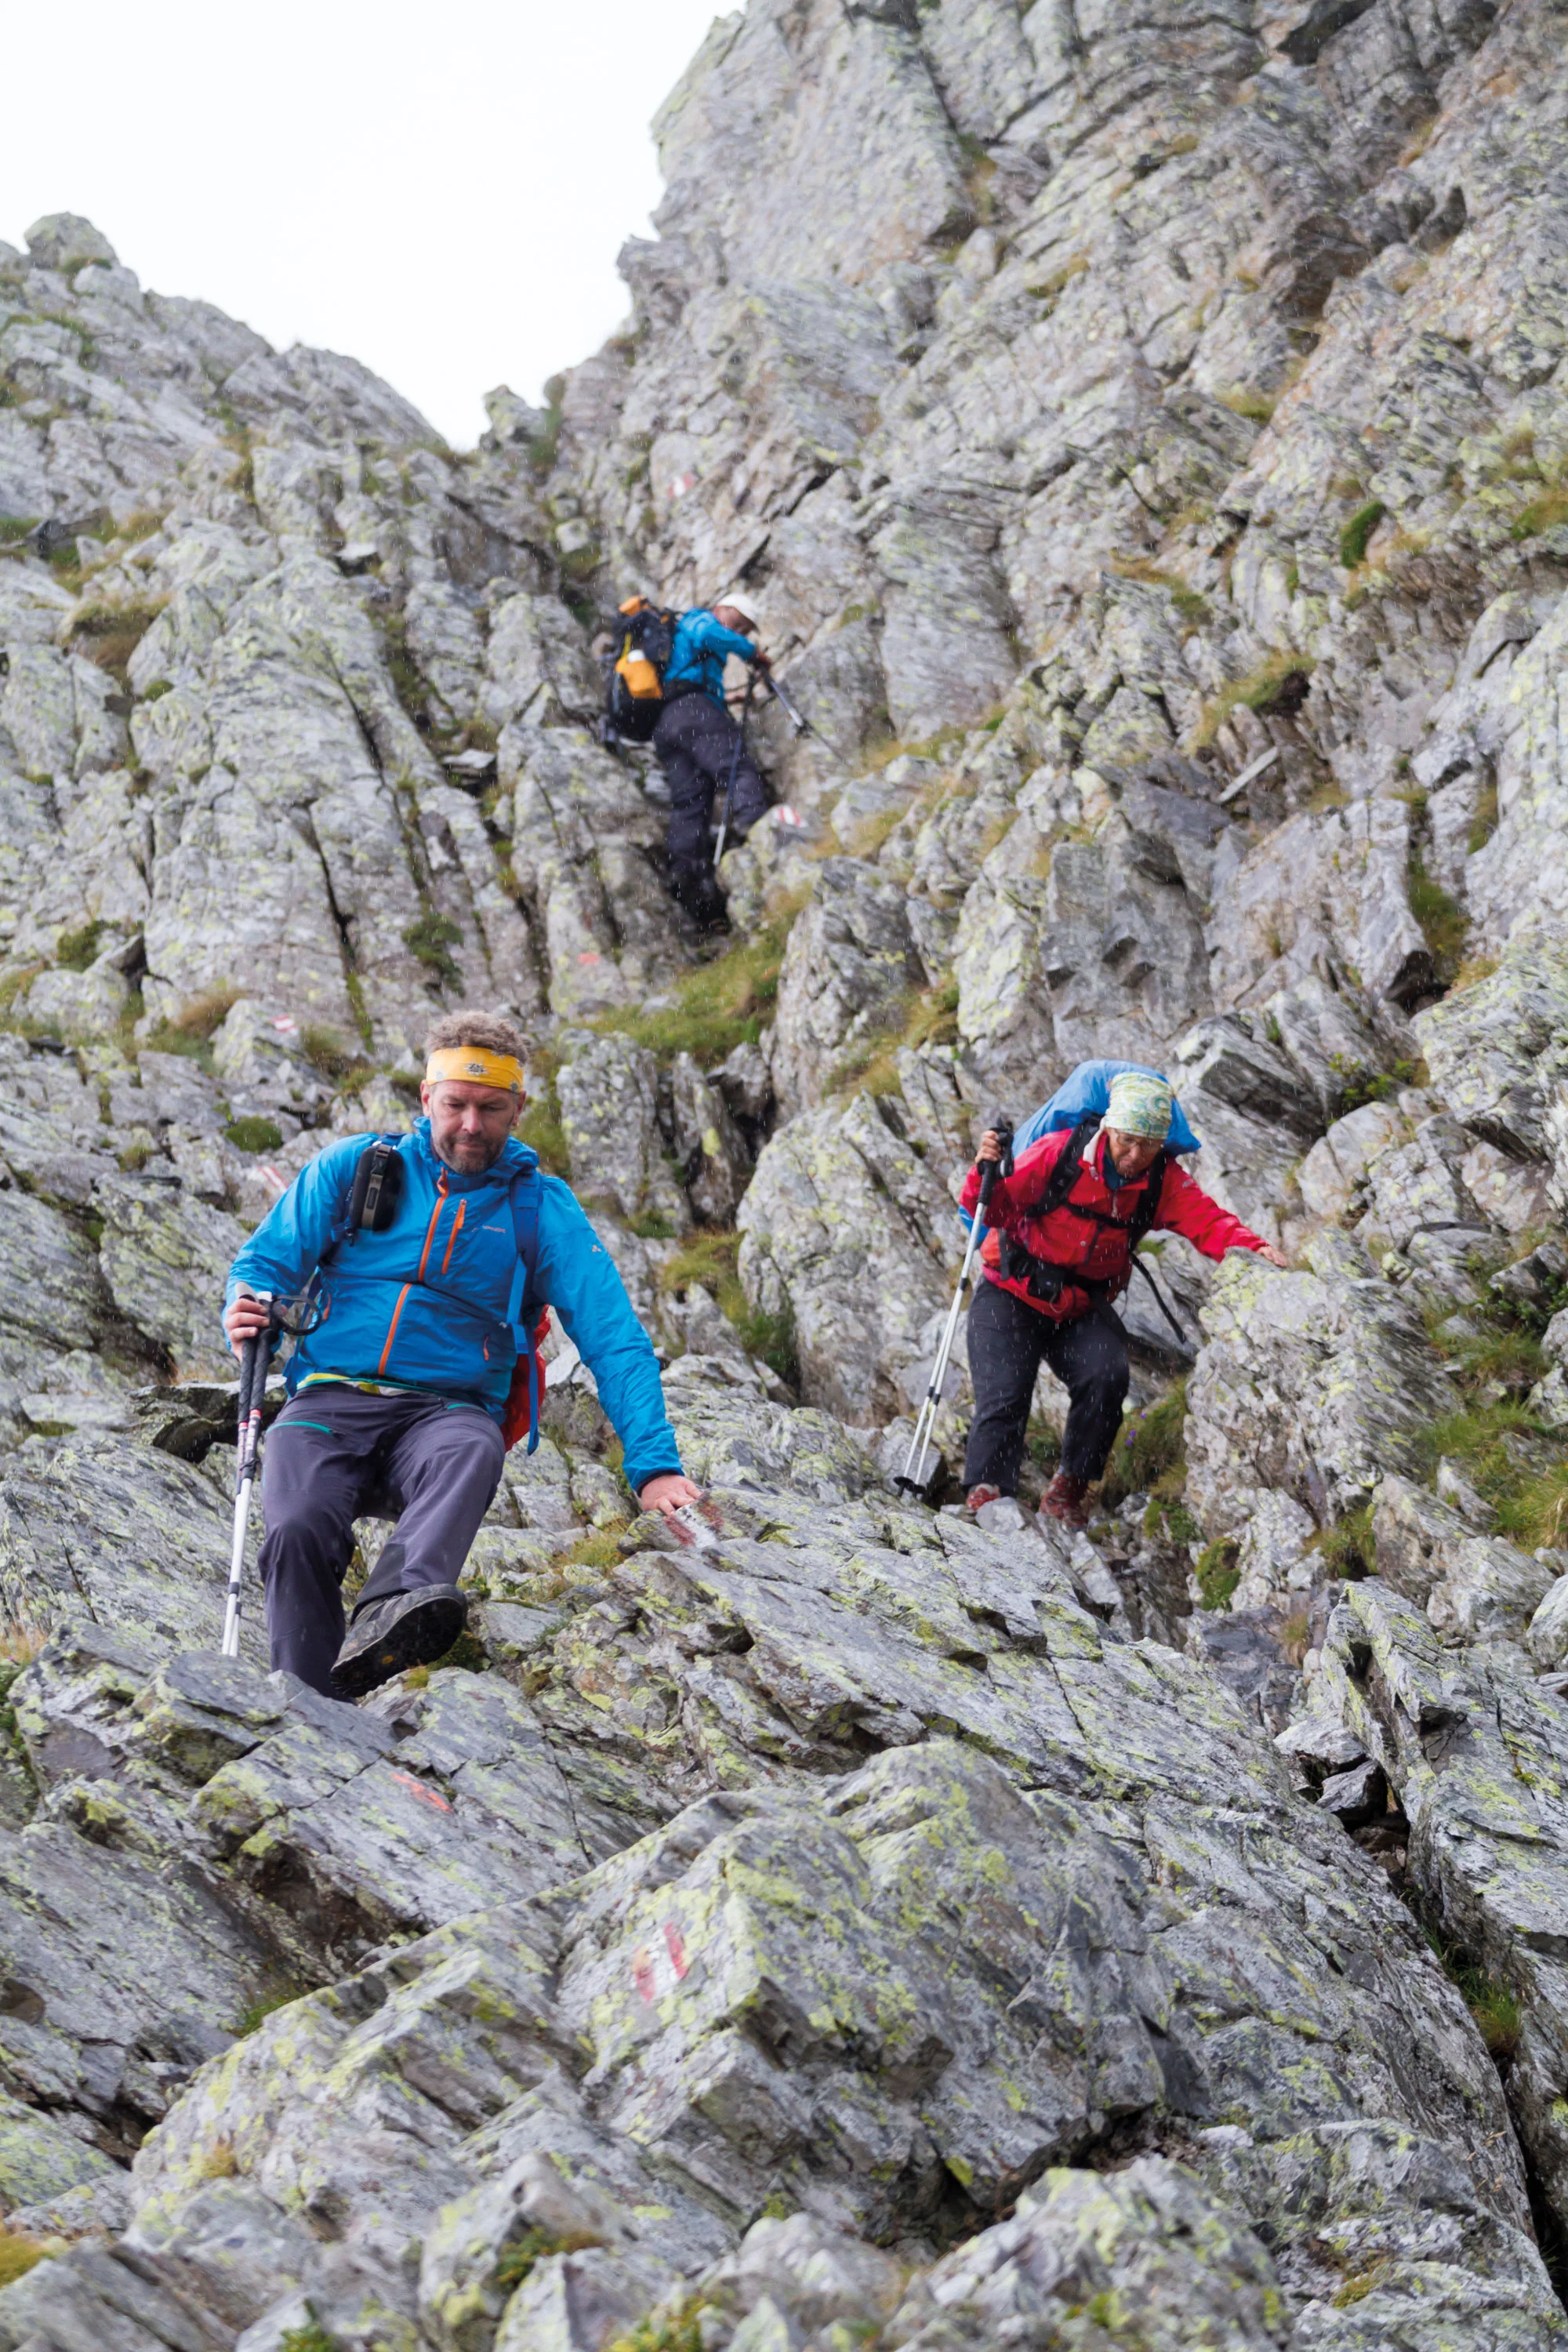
[[1003, 1131]]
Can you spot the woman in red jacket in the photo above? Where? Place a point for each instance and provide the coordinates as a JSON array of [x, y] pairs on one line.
[[1058, 1254]]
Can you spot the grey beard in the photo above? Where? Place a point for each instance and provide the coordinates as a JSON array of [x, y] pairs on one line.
[[489, 1161]]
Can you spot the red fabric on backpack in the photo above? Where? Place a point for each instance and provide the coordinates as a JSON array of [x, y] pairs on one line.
[[517, 1422], [1068, 1237]]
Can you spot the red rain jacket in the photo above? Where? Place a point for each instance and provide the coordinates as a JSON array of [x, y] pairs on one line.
[[1067, 1238]]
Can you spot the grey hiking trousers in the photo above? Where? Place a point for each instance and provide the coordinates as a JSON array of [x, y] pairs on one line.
[[336, 1454]]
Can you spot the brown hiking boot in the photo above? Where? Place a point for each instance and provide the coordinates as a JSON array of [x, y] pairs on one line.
[[1066, 1499]]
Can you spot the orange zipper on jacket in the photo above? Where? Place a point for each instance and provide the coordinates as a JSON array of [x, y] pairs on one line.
[[452, 1239], [392, 1327], [423, 1260]]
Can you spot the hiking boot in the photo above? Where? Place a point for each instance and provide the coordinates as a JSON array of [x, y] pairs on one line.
[[1066, 1499], [407, 1629], [974, 1502]]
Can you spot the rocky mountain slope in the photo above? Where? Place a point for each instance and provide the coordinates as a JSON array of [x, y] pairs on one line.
[[1145, 440]]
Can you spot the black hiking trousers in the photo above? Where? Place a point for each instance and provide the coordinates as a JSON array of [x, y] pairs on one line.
[[336, 1454], [1009, 1342], [696, 743]]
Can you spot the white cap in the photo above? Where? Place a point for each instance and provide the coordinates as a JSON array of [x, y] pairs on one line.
[[738, 604]]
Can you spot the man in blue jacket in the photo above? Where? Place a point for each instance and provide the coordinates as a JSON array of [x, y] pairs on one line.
[[701, 749], [398, 1394]]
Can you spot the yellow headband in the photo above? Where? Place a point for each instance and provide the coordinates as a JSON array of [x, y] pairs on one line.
[[474, 1066]]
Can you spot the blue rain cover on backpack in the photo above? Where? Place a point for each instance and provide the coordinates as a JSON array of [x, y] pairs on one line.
[[1087, 1092]]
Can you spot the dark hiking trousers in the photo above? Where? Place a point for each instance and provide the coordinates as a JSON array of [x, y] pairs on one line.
[[334, 1454], [1009, 1342], [696, 743]]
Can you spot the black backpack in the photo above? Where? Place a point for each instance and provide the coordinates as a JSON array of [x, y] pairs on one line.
[[1045, 1281], [634, 693]]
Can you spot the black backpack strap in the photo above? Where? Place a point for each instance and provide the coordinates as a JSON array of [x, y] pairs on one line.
[[524, 1305], [1067, 1170], [374, 1194], [1147, 1209]]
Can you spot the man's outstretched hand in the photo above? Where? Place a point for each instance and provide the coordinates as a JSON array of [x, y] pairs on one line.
[[667, 1493], [244, 1320], [1275, 1257]]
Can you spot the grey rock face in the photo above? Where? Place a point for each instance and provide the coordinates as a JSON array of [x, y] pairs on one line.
[[1141, 441]]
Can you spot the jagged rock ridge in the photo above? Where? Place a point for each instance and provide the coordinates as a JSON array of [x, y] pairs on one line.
[[1143, 443]]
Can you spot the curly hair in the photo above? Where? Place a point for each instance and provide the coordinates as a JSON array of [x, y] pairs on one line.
[[470, 1026]]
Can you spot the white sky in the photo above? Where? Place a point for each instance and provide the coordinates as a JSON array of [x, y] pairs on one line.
[[440, 191]]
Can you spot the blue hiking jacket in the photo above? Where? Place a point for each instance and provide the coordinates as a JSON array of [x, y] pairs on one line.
[[425, 1303], [702, 647]]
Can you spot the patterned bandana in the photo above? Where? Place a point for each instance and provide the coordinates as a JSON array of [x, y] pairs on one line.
[[1140, 1104], [474, 1066]]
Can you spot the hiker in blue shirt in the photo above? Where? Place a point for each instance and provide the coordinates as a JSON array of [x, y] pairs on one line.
[[701, 749], [412, 1383]]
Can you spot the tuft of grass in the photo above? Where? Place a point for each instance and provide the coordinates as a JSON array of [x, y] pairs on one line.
[[18, 2255], [75, 950], [1493, 2004], [711, 1258], [601, 1549], [220, 2162], [1169, 1522], [1353, 538], [652, 1226], [1244, 400], [467, 1653], [254, 1134], [927, 1018], [1346, 1548], [1148, 1455], [1295, 1636], [1543, 513], [677, 2328], [431, 940], [198, 1020], [1443, 923], [311, 2337], [1216, 1571], [518, 2256], [1358, 2286], [718, 1007], [1187, 601], [1513, 1462], [1362, 1085], [1484, 823], [1281, 682], [328, 1052]]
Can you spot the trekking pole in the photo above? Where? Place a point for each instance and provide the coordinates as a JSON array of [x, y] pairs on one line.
[[254, 1358], [798, 720], [734, 770], [912, 1481]]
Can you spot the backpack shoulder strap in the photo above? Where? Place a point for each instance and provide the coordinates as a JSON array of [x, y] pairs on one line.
[[523, 1306], [1065, 1174], [1148, 1208], [372, 1194], [526, 1196]]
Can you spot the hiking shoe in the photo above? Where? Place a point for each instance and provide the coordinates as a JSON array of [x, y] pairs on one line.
[[1066, 1499], [974, 1502], [407, 1629]]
